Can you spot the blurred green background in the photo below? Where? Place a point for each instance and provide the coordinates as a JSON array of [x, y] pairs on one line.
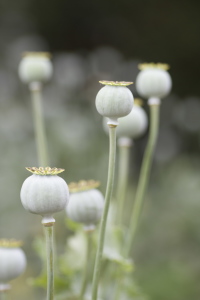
[[90, 41]]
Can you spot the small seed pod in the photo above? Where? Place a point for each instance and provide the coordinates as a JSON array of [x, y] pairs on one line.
[[12, 262], [114, 100], [44, 193], [35, 67], [153, 80], [132, 126], [86, 203]]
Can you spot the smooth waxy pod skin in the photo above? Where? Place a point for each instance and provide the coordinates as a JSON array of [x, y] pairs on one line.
[[12, 260], [86, 203], [153, 80], [35, 67], [44, 194], [114, 100]]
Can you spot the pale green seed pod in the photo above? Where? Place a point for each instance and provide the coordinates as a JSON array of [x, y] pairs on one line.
[[35, 67], [86, 203], [153, 80], [114, 100], [132, 126], [44, 193], [12, 261]]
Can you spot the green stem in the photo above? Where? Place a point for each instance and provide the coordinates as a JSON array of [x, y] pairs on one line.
[[105, 277], [144, 177], [39, 124], [87, 264], [50, 261], [109, 189], [142, 186], [124, 153]]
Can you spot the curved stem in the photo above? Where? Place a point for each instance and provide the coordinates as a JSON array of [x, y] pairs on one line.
[[124, 153], [87, 265], [142, 186], [109, 189], [50, 261], [39, 124]]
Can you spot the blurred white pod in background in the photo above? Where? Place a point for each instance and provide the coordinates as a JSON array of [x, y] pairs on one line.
[[134, 124], [12, 262], [35, 67], [153, 80], [86, 203]]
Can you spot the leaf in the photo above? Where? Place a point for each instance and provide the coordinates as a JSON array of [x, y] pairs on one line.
[[40, 281], [73, 226], [61, 283], [114, 256]]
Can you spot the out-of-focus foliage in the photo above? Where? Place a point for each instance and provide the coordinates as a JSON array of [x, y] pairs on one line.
[[71, 262], [91, 41], [77, 143]]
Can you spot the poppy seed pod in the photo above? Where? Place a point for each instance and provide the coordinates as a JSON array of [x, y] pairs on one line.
[[12, 261], [153, 80], [35, 67], [114, 100], [86, 203], [44, 193], [132, 126]]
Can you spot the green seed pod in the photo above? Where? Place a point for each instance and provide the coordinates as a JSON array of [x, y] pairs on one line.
[[35, 67], [114, 100], [44, 193], [153, 80], [86, 203], [132, 126], [12, 262]]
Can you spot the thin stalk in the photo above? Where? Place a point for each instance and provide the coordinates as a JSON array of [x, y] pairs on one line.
[[142, 186], [124, 154], [106, 269], [144, 177], [39, 124], [50, 261], [124, 144], [109, 189], [87, 265]]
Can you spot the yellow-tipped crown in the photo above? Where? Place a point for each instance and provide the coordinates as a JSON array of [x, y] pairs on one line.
[[161, 66], [37, 54], [83, 185], [138, 102], [115, 83], [10, 243], [45, 171]]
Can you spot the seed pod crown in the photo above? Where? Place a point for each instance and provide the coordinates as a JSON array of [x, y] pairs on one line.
[[45, 171], [83, 185], [115, 83], [12, 243]]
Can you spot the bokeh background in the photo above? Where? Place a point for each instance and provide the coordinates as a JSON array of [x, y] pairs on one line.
[[90, 41]]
